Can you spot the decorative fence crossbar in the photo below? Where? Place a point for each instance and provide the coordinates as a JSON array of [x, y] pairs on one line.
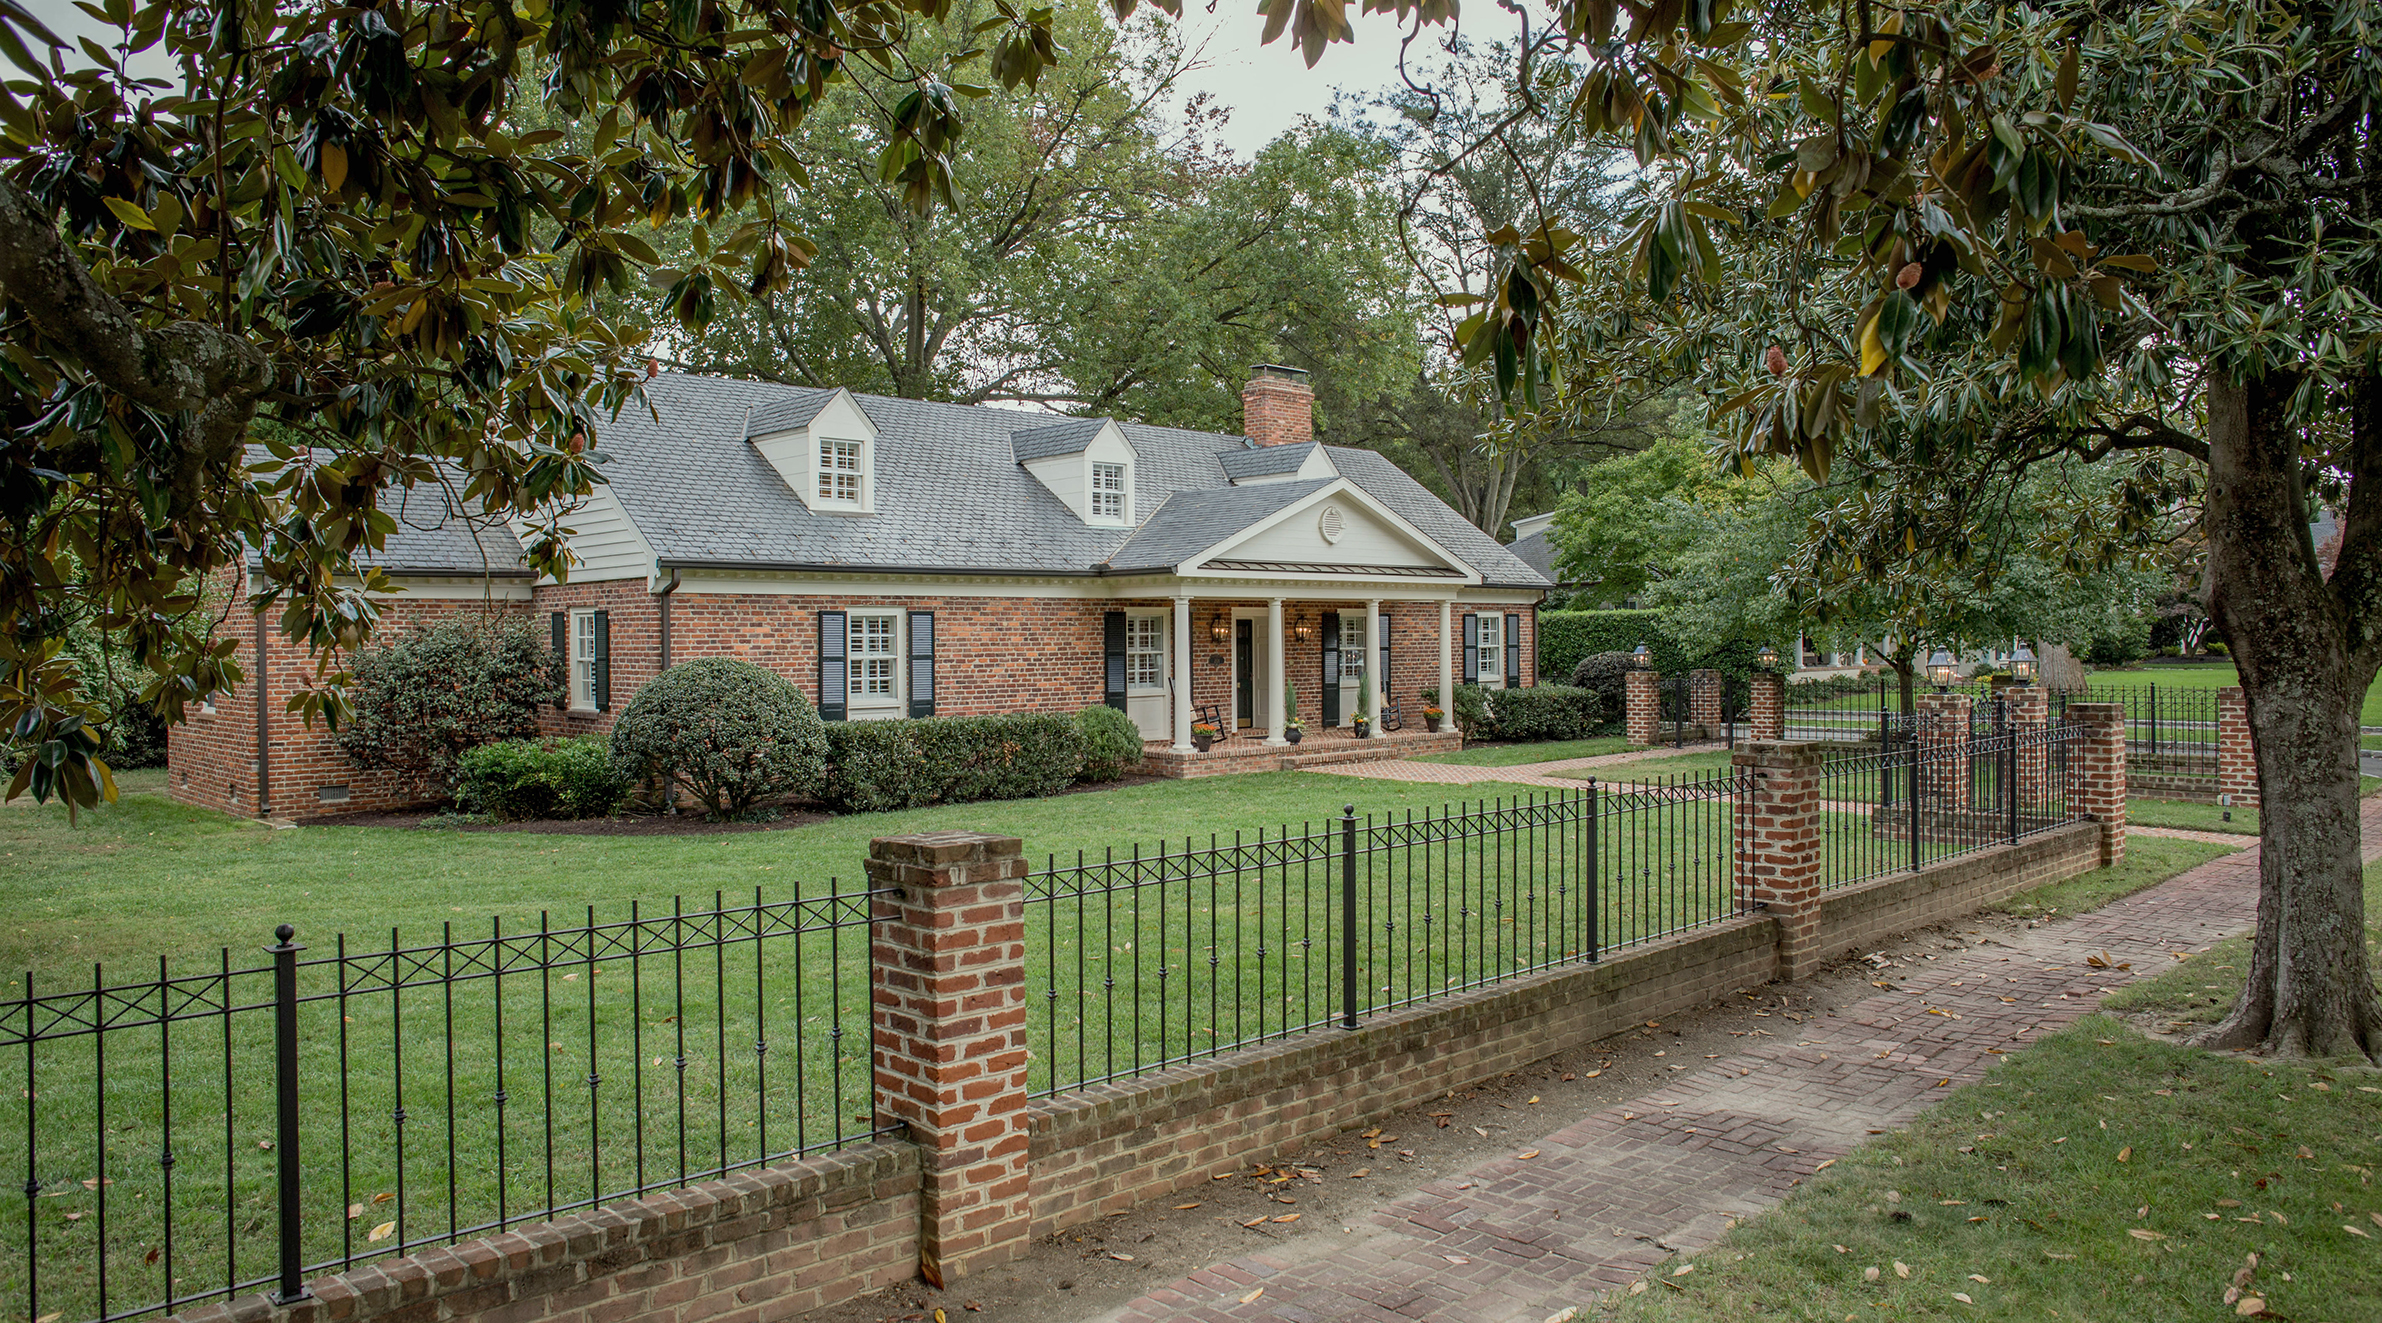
[[196, 1135], [1939, 795], [2170, 731]]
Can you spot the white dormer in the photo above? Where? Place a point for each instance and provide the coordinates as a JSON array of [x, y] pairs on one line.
[[1087, 463], [1530, 526], [828, 458]]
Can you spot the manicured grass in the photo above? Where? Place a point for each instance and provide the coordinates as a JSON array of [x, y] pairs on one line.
[[2190, 815], [2149, 860], [2202, 989], [2209, 675], [1515, 755], [2096, 1176]]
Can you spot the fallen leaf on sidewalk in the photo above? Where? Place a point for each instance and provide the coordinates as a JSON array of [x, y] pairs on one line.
[[1527, 1154], [1288, 1217], [1251, 1298], [1181, 1207], [1255, 1221]]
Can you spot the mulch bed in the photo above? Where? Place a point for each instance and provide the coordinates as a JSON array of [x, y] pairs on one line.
[[797, 813]]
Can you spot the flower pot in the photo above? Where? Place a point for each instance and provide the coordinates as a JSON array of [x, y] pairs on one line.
[[1364, 731], [1294, 734], [1431, 724], [1201, 742]]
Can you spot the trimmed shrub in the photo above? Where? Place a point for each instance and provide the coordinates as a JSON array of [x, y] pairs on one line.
[[516, 780], [1112, 743], [1606, 674], [1548, 712], [1565, 638], [430, 694], [734, 734], [876, 766]]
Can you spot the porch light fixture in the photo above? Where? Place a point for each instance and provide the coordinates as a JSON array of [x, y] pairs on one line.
[[1768, 656], [1220, 628], [1303, 630], [2022, 665], [1939, 669], [1641, 658]]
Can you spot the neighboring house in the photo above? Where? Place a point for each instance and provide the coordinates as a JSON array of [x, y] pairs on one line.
[[896, 558], [1534, 546]]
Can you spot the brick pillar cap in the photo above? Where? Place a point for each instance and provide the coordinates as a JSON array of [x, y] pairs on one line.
[[1780, 753], [2098, 713], [946, 847]]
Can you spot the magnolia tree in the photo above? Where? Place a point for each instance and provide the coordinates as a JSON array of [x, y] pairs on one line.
[[1993, 237]]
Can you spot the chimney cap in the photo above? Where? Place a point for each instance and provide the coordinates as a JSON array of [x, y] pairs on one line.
[[1278, 370]]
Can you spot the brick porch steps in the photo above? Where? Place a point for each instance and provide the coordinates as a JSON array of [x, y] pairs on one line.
[[1328, 748]]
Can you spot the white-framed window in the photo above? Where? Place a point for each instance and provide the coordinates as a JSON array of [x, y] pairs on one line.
[[873, 659], [839, 471], [583, 660], [1108, 491], [1492, 651], [1352, 645], [1145, 652]]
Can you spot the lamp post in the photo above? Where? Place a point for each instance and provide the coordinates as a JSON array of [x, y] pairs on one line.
[[1768, 657], [1939, 670], [1641, 658], [2022, 665]]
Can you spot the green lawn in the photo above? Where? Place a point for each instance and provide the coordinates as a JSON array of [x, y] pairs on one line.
[[1514, 755], [2096, 1177], [2201, 989], [2190, 815], [2209, 675], [2149, 860]]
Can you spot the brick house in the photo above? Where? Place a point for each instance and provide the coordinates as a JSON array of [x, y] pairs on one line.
[[902, 558]]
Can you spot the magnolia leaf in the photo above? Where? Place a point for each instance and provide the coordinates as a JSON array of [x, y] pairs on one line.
[[129, 214]]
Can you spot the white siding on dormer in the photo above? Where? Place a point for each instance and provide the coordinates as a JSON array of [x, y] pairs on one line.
[[1365, 539], [795, 454], [605, 544], [1069, 477]]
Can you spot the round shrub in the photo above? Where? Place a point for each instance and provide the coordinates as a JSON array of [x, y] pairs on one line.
[[430, 694], [731, 732], [1608, 674], [517, 780], [1112, 743]]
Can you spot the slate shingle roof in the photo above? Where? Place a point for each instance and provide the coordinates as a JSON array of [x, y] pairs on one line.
[[1067, 438], [1265, 461], [1192, 521], [432, 536], [1536, 551], [950, 492]]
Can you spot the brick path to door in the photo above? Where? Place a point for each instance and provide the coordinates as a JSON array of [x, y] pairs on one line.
[[1619, 1191]]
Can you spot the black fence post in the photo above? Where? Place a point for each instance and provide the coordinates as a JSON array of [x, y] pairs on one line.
[[1915, 797], [1595, 928], [2010, 779], [1348, 917], [285, 1131]]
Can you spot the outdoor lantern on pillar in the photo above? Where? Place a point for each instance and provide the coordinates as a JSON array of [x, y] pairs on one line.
[[1939, 670], [2022, 665], [1641, 658], [1768, 656]]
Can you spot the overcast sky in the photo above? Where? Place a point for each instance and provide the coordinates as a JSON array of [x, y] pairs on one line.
[[1267, 87]]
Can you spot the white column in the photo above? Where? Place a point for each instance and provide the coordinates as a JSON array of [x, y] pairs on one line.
[[1447, 659], [1275, 714], [1373, 659], [1182, 675]]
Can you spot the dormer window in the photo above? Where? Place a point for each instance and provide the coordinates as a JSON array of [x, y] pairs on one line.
[[1108, 491], [839, 471]]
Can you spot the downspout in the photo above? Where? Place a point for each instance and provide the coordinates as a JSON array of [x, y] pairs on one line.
[[264, 750], [664, 595]]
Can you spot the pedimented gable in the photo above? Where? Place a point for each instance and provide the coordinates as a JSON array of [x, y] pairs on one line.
[[1339, 530]]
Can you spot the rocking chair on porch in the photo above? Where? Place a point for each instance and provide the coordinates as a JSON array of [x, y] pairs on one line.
[[1212, 714]]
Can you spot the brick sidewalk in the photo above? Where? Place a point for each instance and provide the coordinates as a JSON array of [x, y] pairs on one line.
[[1621, 1190], [1523, 774]]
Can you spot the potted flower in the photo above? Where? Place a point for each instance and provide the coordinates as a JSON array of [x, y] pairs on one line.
[[1431, 718], [1293, 730], [1203, 735], [1363, 726]]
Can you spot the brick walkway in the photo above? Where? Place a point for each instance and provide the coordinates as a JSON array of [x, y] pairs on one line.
[[1525, 774], [1619, 1191]]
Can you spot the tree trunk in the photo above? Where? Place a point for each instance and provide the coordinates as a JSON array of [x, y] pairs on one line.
[[2311, 987]]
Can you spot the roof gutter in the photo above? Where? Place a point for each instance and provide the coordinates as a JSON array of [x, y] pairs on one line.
[[802, 567]]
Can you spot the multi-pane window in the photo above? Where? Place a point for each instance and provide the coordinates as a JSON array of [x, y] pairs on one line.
[[870, 653], [1145, 651], [1108, 491], [1492, 651], [1352, 645], [583, 660], [839, 470]]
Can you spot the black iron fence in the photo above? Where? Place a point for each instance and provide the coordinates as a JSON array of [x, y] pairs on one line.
[[2170, 732], [203, 1133], [1941, 795], [1146, 959]]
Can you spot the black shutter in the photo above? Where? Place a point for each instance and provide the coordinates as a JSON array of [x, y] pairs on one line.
[[1388, 694], [1471, 655], [922, 663], [603, 661], [833, 677], [1513, 652], [562, 657], [1112, 648], [1331, 668]]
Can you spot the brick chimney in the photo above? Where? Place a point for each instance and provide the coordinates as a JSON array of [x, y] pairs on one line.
[[1278, 406]]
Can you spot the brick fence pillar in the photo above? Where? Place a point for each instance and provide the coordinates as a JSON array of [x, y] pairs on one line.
[[1706, 690], [1778, 844], [1943, 750], [2097, 774], [2030, 717], [950, 1010], [1643, 692], [1769, 705], [2237, 762]]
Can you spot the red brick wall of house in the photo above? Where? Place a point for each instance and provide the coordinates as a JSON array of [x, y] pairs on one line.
[[633, 616]]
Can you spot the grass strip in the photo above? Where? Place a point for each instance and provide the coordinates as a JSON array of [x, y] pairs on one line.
[[2149, 860], [1517, 755]]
